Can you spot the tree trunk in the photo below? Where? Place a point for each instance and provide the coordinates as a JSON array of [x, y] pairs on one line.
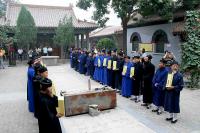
[[125, 37], [62, 56]]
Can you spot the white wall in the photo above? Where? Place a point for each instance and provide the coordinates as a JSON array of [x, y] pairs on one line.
[[146, 34]]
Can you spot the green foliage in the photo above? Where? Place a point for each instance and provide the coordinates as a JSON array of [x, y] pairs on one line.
[[65, 32], [159, 7], [106, 43], [165, 8], [26, 32], [191, 48], [124, 9], [101, 9]]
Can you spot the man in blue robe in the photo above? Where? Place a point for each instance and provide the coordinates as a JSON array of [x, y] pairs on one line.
[[126, 80], [158, 84], [82, 62], [101, 68], [88, 71], [95, 76], [30, 91], [172, 93]]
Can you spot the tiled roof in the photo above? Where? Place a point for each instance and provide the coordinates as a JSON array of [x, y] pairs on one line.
[[46, 16], [106, 31]]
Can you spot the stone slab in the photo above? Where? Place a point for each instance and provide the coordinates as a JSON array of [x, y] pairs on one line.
[[76, 104], [50, 60]]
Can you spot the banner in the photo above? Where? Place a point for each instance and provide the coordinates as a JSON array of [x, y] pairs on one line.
[[147, 46]]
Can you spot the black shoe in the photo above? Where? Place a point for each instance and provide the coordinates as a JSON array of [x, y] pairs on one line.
[[155, 110], [144, 104], [133, 99], [137, 101], [148, 107], [159, 113], [174, 121], [168, 119]]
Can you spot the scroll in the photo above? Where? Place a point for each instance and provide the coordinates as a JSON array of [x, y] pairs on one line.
[[169, 80], [109, 64], [104, 62], [124, 70], [132, 72], [114, 65], [99, 62]]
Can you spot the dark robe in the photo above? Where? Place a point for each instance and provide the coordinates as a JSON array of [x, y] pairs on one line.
[[148, 73], [115, 74], [48, 121], [109, 72], [30, 93], [73, 59], [82, 62], [118, 79], [137, 79], [91, 67], [36, 88], [158, 90], [172, 97], [105, 73], [76, 60]]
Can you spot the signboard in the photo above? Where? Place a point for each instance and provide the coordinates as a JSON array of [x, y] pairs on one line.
[[147, 46]]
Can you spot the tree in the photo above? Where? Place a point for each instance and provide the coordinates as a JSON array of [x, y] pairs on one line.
[[165, 8], [2, 7], [123, 8], [191, 48], [64, 33], [106, 43], [26, 31]]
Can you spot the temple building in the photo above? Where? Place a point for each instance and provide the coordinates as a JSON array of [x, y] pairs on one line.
[[47, 19]]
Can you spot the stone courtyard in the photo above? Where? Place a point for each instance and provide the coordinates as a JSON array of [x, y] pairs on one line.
[[127, 117]]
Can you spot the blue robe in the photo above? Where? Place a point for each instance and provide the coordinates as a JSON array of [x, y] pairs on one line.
[[158, 91], [101, 69], [88, 65], [96, 70], [127, 82], [30, 93], [71, 59], [172, 97], [82, 62]]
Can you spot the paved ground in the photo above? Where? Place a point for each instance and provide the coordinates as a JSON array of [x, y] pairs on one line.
[[14, 115], [127, 117]]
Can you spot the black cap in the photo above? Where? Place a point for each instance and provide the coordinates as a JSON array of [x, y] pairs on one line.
[[174, 62], [128, 57], [120, 53], [37, 66], [30, 62], [136, 57], [42, 69], [45, 83], [109, 52], [163, 61], [149, 57]]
